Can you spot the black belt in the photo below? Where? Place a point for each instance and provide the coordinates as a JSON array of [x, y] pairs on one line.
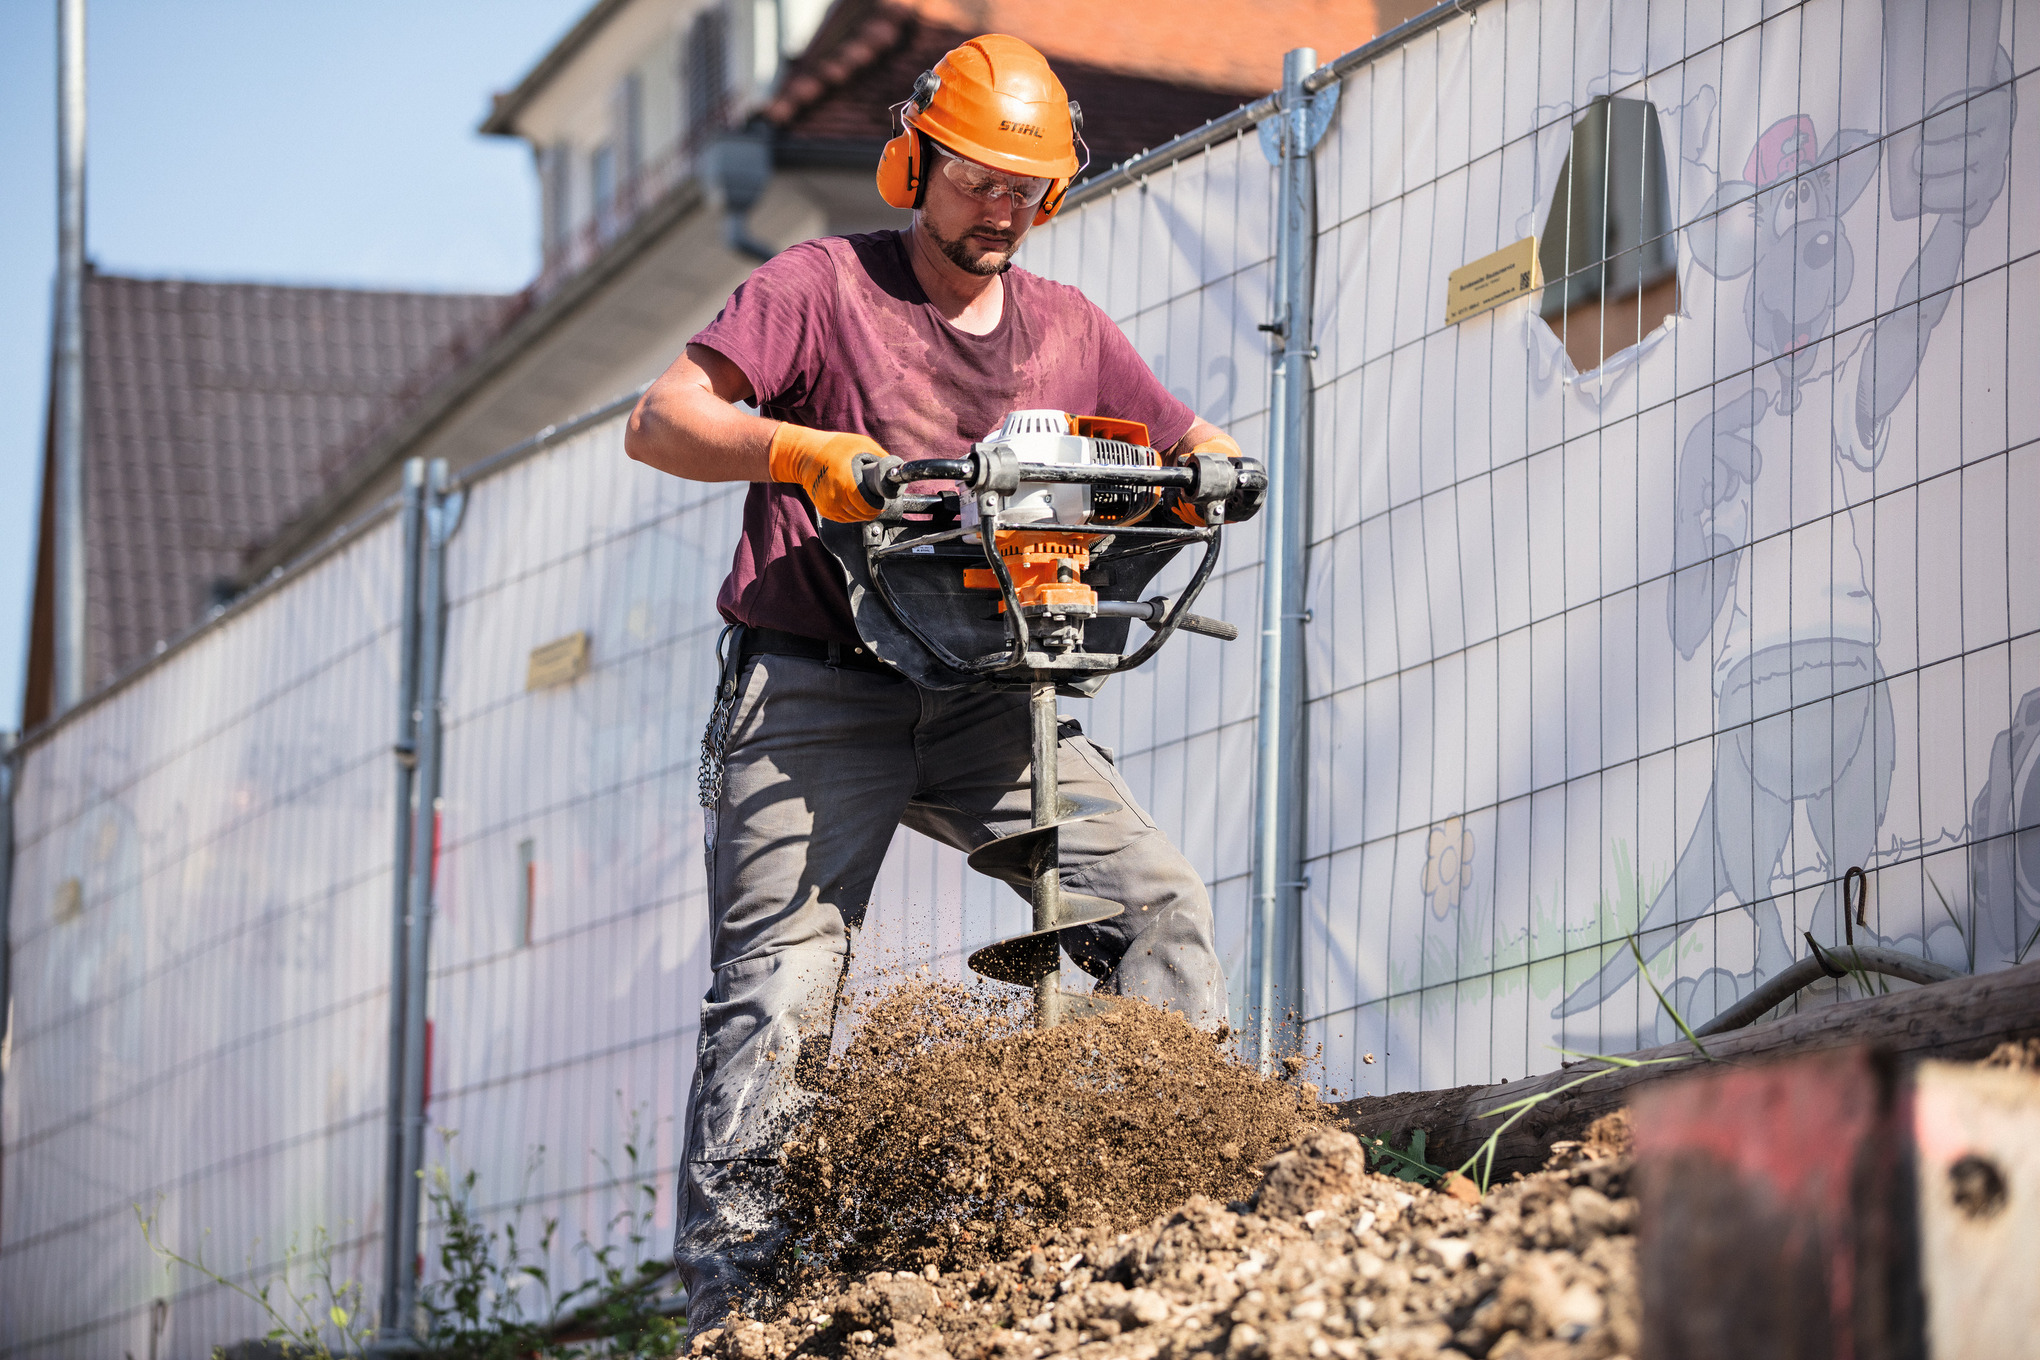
[[850, 655]]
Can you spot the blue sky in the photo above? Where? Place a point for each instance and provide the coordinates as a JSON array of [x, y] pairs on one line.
[[309, 142]]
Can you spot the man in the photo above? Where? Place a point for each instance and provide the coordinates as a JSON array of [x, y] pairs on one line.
[[915, 343]]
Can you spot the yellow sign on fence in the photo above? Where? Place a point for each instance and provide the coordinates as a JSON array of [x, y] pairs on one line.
[[558, 661], [1492, 280]]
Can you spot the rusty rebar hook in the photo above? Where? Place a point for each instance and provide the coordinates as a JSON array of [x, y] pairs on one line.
[[1827, 965], [1862, 881]]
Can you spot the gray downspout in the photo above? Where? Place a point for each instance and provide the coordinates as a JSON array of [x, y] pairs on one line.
[[441, 518], [1278, 843], [391, 1336], [737, 168]]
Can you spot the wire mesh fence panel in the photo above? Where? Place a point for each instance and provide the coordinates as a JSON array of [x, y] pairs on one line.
[[1659, 608], [200, 971], [570, 949]]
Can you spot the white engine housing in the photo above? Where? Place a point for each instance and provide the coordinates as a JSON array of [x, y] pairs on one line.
[[1044, 437]]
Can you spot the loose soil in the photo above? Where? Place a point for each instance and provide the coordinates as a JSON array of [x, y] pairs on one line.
[[1121, 1186], [952, 1132]]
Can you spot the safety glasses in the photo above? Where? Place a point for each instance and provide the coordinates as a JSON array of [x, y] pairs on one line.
[[988, 185]]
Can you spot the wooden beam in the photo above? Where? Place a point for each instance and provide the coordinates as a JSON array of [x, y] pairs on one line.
[[1961, 1019]]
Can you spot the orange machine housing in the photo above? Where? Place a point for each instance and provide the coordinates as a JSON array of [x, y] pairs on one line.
[[1047, 569]]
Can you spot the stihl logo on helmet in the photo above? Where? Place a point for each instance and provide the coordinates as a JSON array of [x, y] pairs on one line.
[[1008, 125]]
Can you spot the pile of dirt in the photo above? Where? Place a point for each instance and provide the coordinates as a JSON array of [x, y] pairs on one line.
[[951, 1132], [1122, 1188], [1324, 1260]]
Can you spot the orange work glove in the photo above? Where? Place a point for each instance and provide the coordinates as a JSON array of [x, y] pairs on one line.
[[825, 463], [1217, 444]]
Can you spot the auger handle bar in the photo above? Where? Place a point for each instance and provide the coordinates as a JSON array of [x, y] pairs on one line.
[[1154, 612], [992, 472], [1203, 477]]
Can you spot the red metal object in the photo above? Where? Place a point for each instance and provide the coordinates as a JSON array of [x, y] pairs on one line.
[[1778, 1213]]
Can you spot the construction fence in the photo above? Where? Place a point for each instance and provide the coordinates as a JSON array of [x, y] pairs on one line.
[[1652, 631]]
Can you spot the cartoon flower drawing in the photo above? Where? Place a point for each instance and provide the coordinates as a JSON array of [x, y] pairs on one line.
[[1448, 867]]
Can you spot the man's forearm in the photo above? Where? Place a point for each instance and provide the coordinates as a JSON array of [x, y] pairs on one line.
[[686, 425], [696, 435]]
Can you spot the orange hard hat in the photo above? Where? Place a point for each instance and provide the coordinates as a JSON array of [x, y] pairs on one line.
[[993, 100]]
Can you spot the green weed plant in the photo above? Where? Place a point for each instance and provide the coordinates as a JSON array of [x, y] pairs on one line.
[[1405, 1164], [494, 1296], [318, 1320]]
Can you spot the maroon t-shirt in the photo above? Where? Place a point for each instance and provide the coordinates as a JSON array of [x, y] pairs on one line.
[[836, 334]]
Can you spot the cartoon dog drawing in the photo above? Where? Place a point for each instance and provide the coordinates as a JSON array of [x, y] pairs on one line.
[[1803, 716]]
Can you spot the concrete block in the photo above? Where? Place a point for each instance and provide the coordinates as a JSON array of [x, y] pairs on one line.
[[1840, 1206]]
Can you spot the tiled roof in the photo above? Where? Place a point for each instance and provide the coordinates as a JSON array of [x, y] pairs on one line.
[[1218, 44], [216, 411], [1143, 71]]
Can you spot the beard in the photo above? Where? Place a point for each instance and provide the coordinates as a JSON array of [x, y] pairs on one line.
[[970, 253]]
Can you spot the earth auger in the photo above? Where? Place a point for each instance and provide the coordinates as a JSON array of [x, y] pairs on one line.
[[1050, 518]]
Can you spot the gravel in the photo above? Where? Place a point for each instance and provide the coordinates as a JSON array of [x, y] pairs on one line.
[[972, 1189]]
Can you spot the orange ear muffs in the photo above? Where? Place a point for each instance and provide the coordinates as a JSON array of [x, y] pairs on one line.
[[903, 164], [902, 170], [1051, 201]]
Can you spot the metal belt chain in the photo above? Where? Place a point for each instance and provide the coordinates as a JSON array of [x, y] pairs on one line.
[[716, 736]]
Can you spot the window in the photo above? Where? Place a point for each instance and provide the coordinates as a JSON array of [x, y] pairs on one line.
[[629, 121], [554, 223], [1607, 251], [602, 170], [766, 17], [705, 76]]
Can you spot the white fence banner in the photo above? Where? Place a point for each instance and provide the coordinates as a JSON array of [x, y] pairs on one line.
[[201, 939]]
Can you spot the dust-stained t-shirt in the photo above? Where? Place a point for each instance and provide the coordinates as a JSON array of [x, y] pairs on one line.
[[836, 334]]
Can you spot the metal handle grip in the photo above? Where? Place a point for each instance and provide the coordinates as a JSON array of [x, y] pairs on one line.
[[883, 479], [1153, 612], [1218, 628], [874, 478], [1182, 477], [880, 486]]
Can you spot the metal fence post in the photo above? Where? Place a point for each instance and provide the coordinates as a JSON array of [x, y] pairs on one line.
[[68, 407], [440, 517], [8, 775], [397, 1267], [1288, 140]]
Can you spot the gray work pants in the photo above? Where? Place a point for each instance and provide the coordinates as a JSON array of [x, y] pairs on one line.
[[822, 763]]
